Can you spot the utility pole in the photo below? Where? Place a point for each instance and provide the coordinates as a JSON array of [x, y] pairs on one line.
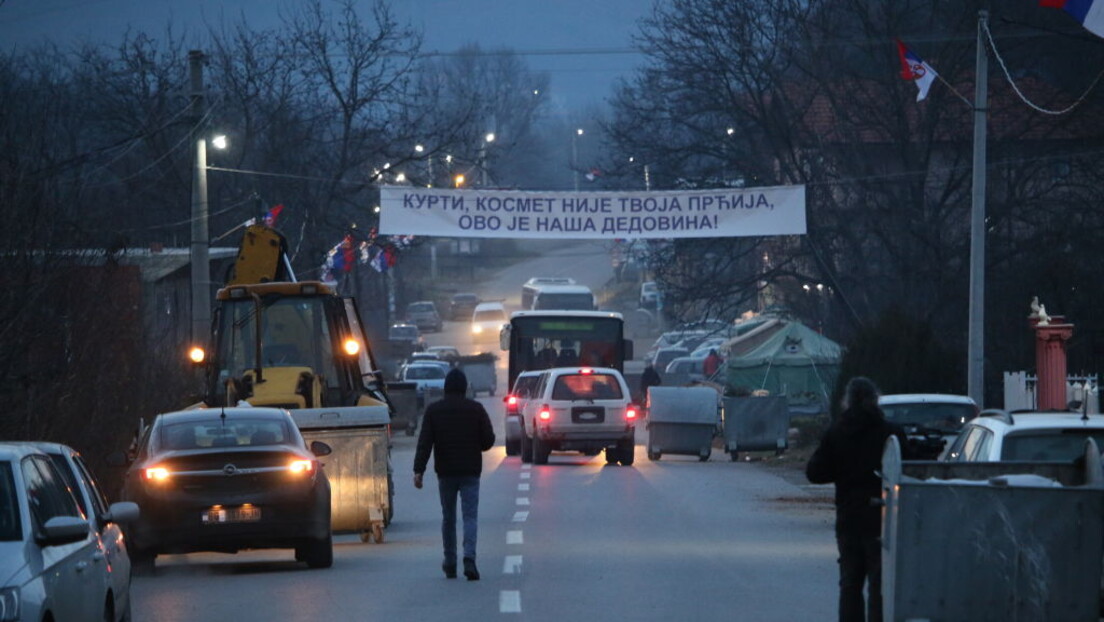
[[201, 268], [976, 340]]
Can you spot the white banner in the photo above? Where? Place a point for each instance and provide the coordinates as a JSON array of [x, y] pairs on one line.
[[777, 210]]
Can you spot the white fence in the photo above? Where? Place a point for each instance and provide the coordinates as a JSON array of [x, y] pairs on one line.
[[1019, 391]]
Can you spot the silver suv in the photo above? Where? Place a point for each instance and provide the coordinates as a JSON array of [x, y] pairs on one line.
[[585, 409]]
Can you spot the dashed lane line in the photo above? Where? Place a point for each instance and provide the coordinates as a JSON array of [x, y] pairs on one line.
[[523, 500], [521, 517], [526, 475], [515, 537], [523, 487], [509, 601], [512, 565]]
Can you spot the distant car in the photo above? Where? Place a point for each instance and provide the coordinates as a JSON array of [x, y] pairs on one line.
[[931, 420], [408, 335], [445, 353], [424, 374], [664, 356], [105, 520], [487, 321], [999, 436], [423, 314], [462, 305], [649, 295], [684, 369], [53, 563], [228, 479], [587, 409], [702, 351], [524, 386]]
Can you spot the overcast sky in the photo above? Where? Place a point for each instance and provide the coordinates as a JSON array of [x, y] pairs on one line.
[[583, 44]]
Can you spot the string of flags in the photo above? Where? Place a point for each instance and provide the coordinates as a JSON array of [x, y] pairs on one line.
[[379, 252]]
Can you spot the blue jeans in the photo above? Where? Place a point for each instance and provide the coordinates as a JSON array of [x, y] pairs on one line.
[[468, 489]]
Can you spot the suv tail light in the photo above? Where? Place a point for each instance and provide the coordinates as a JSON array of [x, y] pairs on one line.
[[545, 413], [511, 401], [630, 412]]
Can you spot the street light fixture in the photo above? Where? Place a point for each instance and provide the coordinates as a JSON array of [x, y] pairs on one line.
[[219, 142], [575, 157], [488, 139]]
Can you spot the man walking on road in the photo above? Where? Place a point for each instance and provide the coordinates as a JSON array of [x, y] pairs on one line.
[[456, 430], [849, 455]]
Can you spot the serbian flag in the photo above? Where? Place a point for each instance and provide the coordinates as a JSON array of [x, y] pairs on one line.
[[272, 214], [343, 256], [913, 68], [1089, 12]]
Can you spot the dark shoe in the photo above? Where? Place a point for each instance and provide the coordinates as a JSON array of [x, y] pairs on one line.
[[450, 570], [470, 570]]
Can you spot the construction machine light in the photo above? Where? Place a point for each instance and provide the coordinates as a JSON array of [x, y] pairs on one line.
[[197, 355], [301, 466], [157, 474], [238, 292], [351, 347]]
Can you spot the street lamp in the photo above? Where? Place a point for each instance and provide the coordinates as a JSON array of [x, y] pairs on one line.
[[200, 256], [419, 148], [575, 157], [488, 139]]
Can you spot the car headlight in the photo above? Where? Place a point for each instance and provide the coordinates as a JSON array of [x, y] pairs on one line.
[[476, 329], [9, 604]]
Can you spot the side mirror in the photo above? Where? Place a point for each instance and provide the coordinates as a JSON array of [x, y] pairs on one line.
[[117, 459], [320, 449], [63, 530], [122, 512]]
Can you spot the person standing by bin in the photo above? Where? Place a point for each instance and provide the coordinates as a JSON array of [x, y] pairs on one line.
[[456, 430], [849, 455], [711, 364]]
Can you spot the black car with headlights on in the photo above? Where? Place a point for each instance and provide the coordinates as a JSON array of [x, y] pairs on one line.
[[227, 479]]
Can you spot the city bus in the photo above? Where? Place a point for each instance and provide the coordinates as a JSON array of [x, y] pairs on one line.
[[543, 339]]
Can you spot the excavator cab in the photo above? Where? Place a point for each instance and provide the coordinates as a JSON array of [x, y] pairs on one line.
[[290, 345]]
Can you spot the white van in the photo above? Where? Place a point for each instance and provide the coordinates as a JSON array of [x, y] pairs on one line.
[[564, 297], [487, 321]]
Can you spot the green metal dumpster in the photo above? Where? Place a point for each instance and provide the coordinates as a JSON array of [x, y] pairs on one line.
[[758, 423], [359, 469], [994, 541]]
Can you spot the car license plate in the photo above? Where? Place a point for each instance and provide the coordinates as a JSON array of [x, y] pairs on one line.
[[247, 514]]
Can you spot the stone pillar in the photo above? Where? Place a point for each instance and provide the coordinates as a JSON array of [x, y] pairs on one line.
[[1050, 362]]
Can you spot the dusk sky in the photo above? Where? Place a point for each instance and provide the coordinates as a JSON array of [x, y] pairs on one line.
[[585, 46]]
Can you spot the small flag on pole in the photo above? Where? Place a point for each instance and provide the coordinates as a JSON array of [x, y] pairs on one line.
[[1089, 12], [914, 69], [272, 214]]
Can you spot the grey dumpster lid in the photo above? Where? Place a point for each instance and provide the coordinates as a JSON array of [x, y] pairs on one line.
[[345, 417], [682, 405]]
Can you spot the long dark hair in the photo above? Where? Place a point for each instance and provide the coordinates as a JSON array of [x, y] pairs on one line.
[[861, 394]]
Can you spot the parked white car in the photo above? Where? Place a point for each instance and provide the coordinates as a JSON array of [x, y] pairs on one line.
[[52, 560], [999, 436]]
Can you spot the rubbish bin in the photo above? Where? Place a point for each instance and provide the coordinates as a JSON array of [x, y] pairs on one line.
[[407, 410], [681, 420], [480, 372], [991, 541], [359, 469], [755, 424]]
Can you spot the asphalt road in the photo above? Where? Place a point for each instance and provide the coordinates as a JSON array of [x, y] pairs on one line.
[[677, 539]]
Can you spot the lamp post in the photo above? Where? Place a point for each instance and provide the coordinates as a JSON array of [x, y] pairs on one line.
[[575, 156], [488, 139], [200, 254], [419, 148]]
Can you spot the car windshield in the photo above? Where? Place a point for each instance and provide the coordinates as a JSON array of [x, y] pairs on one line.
[[404, 332], [489, 315], [10, 526], [421, 307], [1049, 445], [215, 432], [424, 373], [587, 387], [943, 417]]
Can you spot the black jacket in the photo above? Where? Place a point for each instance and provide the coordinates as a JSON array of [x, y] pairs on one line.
[[457, 431], [650, 378], [849, 455]]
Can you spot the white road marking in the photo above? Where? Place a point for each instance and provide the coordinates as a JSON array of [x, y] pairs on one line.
[[520, 517], [515, 537], [523, 487], [526, 466], [526, 475], [523, 500], [509, 601], [512, 565]]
